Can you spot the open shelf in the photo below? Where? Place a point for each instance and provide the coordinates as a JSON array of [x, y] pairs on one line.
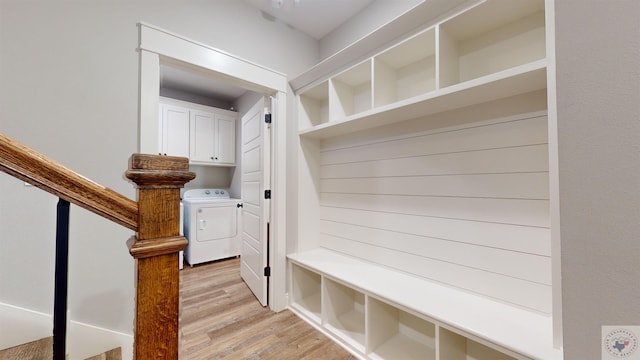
[[350, 92], [406, 70], [514, 81], [306, 286], [457, 347], [314, 106], [396, 334], [493, 36], [344, 308], [491, 51]]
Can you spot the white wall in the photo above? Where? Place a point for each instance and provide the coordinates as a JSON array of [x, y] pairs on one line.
[[69, 88], [598, 97]]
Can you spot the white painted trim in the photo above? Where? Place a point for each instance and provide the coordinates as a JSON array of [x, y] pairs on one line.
[[149, 99], [165, 43], [85, 340], [21, 325], [278, 249], [160, 45], [554, 174]]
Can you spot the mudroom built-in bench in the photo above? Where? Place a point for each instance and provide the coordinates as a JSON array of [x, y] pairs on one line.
[[425, 193]]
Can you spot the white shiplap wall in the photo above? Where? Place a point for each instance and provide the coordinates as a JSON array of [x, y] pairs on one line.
[[467, 206]]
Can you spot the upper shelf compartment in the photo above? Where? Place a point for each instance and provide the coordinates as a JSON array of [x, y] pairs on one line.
[[491, 37], [406, 70], [344, 95], [493, 50], [313, 106], [519, 80], [350, 92]]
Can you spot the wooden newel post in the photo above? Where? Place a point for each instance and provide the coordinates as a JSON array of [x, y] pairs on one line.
[[156, 247]]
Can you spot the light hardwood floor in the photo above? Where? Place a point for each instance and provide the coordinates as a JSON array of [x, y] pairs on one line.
[[221, 319], [43, 350], [39, 349]]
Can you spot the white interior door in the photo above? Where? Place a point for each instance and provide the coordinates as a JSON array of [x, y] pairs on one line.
[[255, 212]]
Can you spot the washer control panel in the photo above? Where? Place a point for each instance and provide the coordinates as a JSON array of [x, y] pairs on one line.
[[204, 194]]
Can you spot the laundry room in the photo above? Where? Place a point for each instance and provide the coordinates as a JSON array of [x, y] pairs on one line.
[[201, 117]]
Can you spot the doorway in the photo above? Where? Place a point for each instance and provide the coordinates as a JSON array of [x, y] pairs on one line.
[[158, 46]]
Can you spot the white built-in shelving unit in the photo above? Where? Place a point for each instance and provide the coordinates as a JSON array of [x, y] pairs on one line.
[[424, 196]]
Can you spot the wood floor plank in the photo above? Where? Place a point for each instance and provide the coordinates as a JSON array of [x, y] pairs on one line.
[[221, 319], [37, 350]]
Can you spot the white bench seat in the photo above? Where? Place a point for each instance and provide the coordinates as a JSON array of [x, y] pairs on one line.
[[526, 333]]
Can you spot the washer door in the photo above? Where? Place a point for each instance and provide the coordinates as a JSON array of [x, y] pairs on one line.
[[215, 223]]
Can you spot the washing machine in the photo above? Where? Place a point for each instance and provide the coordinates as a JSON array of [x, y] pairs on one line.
[[211, 225]]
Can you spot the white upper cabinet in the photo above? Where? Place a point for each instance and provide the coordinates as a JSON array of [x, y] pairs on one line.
[[203, 137], [174, 130], [204, 134], [225, 139]]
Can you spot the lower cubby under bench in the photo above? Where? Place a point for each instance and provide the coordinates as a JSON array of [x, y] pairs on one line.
[[378, 313]]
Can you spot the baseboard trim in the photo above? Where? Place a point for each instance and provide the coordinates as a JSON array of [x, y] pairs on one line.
[[19, 325], [86, 340]]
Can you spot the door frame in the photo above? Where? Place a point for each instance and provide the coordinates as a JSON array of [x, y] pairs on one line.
[[156, 44]]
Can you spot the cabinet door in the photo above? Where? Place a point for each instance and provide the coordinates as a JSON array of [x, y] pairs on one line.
[[202, 136], [174, 129], [225, 139]]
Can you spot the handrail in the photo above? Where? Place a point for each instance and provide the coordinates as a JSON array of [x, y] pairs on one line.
[[155, 218], [33, 167]]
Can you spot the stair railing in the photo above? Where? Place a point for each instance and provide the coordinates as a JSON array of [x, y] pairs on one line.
[[61, 285], [155, 217]]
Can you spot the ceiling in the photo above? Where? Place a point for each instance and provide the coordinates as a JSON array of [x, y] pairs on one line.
[[202, 83], [316, 18]]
